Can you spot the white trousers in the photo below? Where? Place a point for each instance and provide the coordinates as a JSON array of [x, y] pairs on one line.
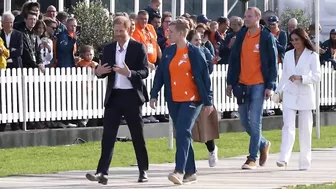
[[305, 134]]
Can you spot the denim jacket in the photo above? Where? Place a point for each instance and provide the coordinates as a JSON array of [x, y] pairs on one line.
[[268, 57], [199, 69]]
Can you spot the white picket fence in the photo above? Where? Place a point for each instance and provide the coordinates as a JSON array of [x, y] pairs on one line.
[[74, 93]]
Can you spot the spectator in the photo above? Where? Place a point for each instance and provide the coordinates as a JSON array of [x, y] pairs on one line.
[[44, 42], [236, 23], [153, 9], [66, 47], [4, 54], [162, 32], [205, 34], [26, 8], [156, 21], [133, 16], [194, 38], [146, 34], [329, 46], [31, 56], [203, 19], [51, 12], [62, 18], [86, 55], [13, 40], [280, 36], [223, 28]]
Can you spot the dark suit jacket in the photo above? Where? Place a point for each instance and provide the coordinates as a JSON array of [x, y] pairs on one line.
[[136, 60], [15, 48]]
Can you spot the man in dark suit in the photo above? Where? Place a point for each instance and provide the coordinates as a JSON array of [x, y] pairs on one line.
[[12, 40], [125, 65]]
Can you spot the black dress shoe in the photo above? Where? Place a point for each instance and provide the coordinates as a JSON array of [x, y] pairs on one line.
[[102, 179], [143, 176]]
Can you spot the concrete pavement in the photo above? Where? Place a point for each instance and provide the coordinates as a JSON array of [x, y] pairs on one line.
[[226, 175]]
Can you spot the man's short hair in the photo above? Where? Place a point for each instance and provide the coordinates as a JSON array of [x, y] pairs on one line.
[[31, 13], [71, 19], [122, 20], [62, 16], [181, 25], [143, 12], [7, 15], [256, 10]]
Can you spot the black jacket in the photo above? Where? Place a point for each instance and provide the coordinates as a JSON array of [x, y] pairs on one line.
[[136, 60], [15, 48], [31, 56]]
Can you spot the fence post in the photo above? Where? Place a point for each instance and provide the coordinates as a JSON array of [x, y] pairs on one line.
[[171, 134], [24, 100]]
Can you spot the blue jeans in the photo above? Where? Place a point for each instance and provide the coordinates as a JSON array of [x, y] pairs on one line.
[[184, 115], [250, 114]]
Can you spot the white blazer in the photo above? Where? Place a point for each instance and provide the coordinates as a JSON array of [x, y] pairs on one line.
[[300, 95]]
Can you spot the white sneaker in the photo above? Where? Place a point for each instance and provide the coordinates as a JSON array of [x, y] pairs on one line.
[[176, 178], [213, 157]]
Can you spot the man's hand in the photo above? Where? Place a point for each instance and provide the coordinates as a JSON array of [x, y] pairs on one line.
[[268, 94], [153, 103], [295, 77], [229, 91], [208, 109], [42, 68], [103, 69], [122, 70]]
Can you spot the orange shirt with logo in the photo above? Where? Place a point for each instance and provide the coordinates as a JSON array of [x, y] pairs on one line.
[[148, 37], [250, 73], [183, 86]]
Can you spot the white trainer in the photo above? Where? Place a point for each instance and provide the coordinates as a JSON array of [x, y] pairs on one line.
[[213, 157]]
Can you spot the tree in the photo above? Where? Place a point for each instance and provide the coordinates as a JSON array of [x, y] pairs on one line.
[[96, 26], [303, 17]]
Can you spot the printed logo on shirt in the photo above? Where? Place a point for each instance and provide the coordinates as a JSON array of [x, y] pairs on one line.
[[256, 48], [183, 60]]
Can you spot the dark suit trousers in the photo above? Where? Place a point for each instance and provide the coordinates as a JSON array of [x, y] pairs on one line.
[[123, 102]]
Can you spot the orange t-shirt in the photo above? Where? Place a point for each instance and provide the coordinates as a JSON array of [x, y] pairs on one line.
[[85, 63], [148, 37], [183, 86], [250, 73]]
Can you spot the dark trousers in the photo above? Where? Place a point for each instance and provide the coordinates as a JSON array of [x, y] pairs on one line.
[[123, 103], [184, 115]]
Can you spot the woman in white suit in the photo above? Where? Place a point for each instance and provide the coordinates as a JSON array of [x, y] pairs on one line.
[[301, 70]]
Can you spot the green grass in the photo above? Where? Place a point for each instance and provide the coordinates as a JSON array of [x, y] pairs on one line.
[[35, 160], [322, 186]]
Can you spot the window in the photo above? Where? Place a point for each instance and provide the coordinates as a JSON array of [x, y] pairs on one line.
[[124, 6], [193, 7]]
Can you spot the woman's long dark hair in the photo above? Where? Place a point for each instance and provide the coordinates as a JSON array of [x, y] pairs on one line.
[[304, 37]]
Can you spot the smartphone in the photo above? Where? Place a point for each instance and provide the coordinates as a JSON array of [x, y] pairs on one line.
[[78, 29]]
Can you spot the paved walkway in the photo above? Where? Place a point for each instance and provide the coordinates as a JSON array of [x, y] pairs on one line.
[[225, 175]]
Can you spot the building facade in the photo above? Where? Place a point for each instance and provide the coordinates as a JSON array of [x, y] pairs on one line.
[[214, 8]]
